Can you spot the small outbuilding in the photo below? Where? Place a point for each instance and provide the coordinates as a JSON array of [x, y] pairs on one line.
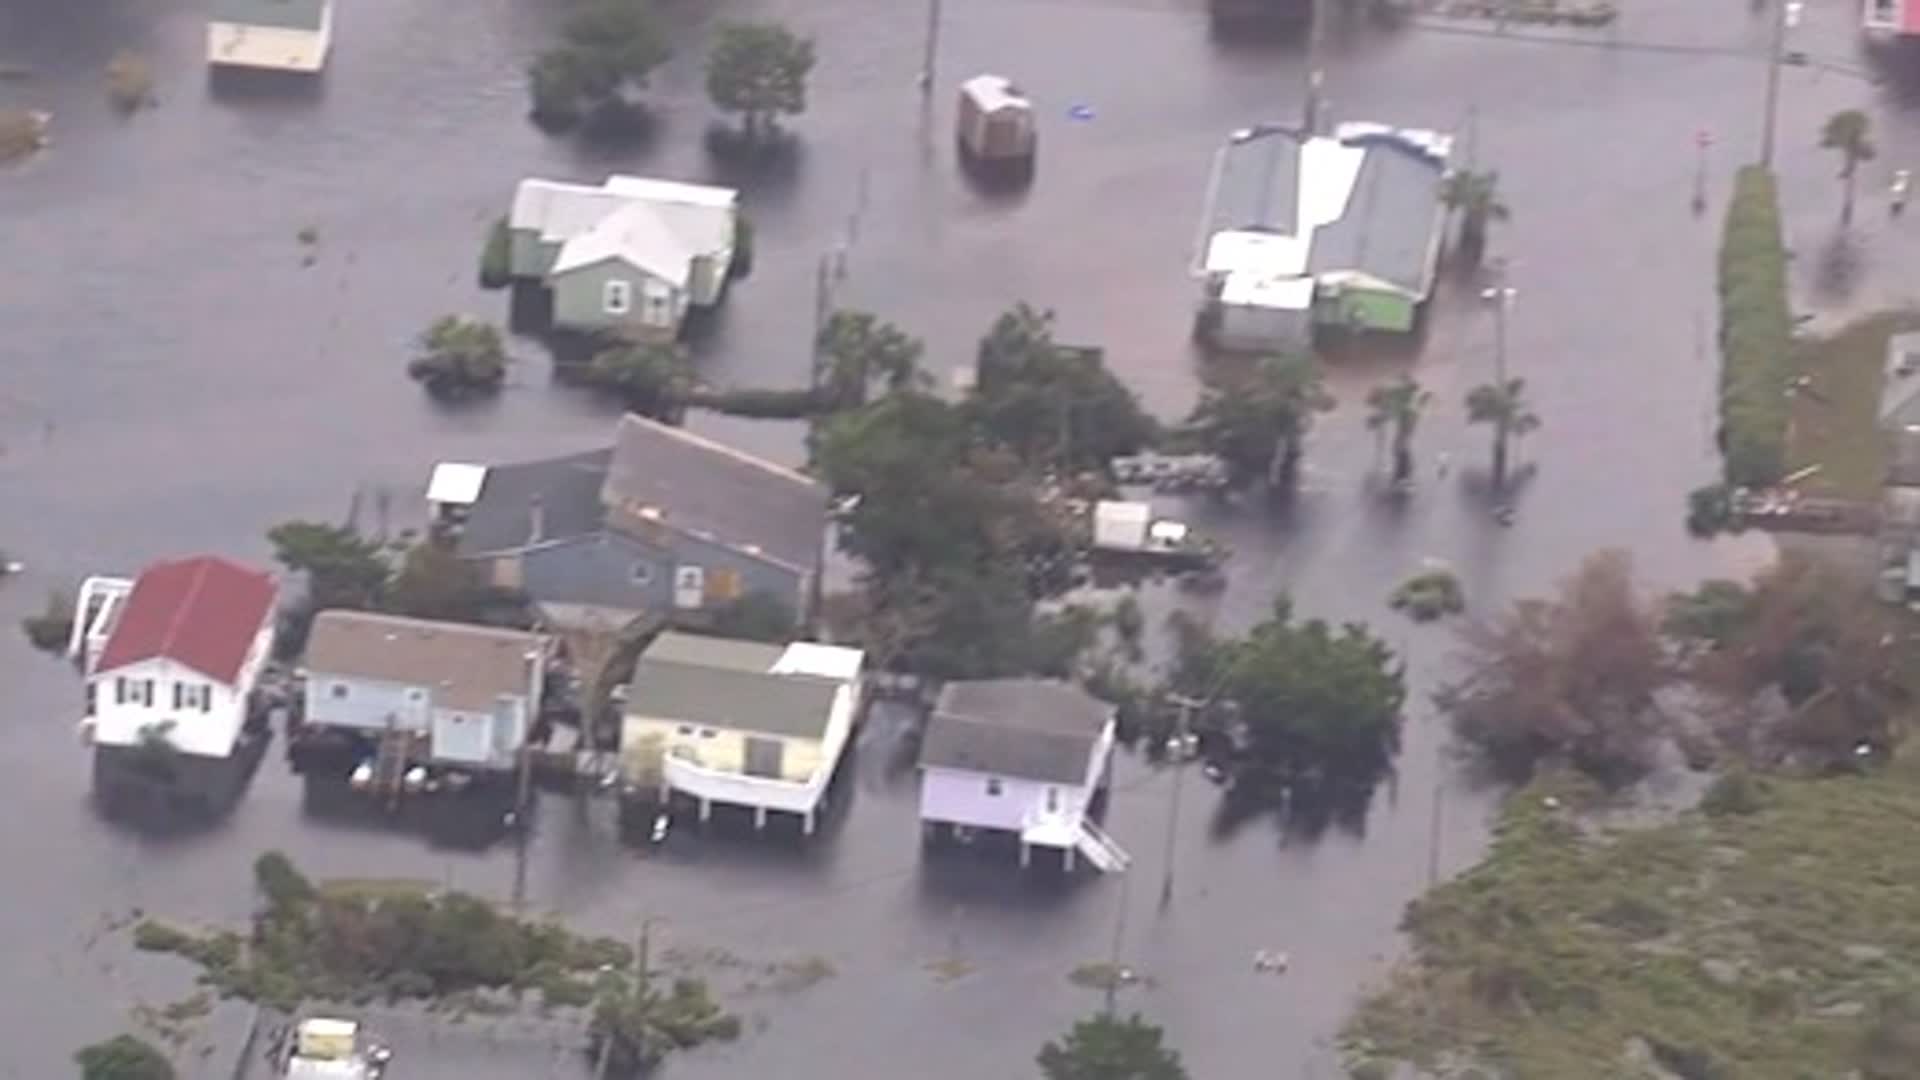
[[994, 123]]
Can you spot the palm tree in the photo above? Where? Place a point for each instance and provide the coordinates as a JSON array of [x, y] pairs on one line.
[[1504, 405], [1476, 197], [1396, 407], [1258, 423], [1848, 133]]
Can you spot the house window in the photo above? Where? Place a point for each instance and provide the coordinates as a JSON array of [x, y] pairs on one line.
[[685, 729], [707, 733], [145, 686], [416, 695], [1053, 800], [642, 573], [339, 690], [192, 696], [993, 785], [689, 586], [120, 695], [179, 694], [659, 304], [617, 297]]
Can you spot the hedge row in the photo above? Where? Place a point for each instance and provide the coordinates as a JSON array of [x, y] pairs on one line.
[[1756, 334]]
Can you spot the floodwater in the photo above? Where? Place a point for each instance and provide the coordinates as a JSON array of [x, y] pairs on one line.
[[175, 379]]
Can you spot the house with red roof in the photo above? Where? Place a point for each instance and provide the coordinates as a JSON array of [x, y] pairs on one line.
[[179, 662]]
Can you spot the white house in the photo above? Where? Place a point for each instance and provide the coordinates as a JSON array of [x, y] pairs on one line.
[[1023, 757], [181, 654], [446, 696], [630, 256], [275, 35]]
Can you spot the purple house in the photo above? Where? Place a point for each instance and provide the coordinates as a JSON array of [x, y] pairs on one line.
[[1022, 757]]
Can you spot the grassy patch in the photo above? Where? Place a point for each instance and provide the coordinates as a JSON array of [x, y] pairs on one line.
[[356, 941], [1774, 940], [1835, 414]]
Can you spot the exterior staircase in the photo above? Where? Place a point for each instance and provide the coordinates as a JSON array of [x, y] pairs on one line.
[[1100, 849]]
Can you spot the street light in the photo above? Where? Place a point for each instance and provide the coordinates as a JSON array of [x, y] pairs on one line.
[[1501, 297]]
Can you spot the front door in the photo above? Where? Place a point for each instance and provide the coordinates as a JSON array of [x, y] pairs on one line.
[[765, 757]]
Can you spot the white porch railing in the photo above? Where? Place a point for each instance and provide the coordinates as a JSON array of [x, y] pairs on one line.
[[95, 610], [684, 775]]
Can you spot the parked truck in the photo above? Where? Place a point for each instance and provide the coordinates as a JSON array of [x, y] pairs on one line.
[[1130, 529], [329, 1049]]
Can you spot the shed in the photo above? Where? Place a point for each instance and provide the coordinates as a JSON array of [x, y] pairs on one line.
[[1900, 390], [995, 120]]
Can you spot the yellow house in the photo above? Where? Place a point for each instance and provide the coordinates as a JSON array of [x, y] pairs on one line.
[[738, 722]]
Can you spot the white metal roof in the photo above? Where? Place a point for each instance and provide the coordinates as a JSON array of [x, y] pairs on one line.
[[456, 484], [994, 93], [1328, 169], [637, 234], [822, 661], [1255, 290], [1269, 254], [674, 191]]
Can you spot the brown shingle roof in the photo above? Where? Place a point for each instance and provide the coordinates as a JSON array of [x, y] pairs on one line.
[[466, 667]]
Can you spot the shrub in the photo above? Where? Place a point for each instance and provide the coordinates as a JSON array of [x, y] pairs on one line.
[[129, 82], [1736, 793], [1710, 511], [152, 935], [283, 886], [1429, 596], [49, 630], [458, 357], [496, 258], [21, 133], [1756, 334], [123, 1057]]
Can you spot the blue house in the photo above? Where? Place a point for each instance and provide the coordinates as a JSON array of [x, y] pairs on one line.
[[663, 521]]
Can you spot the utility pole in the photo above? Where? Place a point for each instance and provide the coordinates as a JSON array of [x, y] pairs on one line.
[[640, 977], [1473, 137], [521, 825], [1186, 705], [932, 52], [1776, 50], [1119, 935], [1315, 77], [1433, 823], [1701, 140]]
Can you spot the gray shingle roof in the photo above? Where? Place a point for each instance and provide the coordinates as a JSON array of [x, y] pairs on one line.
[[289, 14], [1388, 229], [1258, 184], [467, 667], [704, 488], [730, 653], [727, 697], [569, 492], [1034, 729]]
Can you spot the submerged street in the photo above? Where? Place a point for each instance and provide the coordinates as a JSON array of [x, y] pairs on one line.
[[176, 381]]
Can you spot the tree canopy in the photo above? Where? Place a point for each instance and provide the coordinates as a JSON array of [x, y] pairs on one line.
[[606, 52], [123, 1057], [457, 357], [1317, 705], [858, 349], [1050, 404], [759, 70], [1107, 1048], [1257, 421], [1575, 678]]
